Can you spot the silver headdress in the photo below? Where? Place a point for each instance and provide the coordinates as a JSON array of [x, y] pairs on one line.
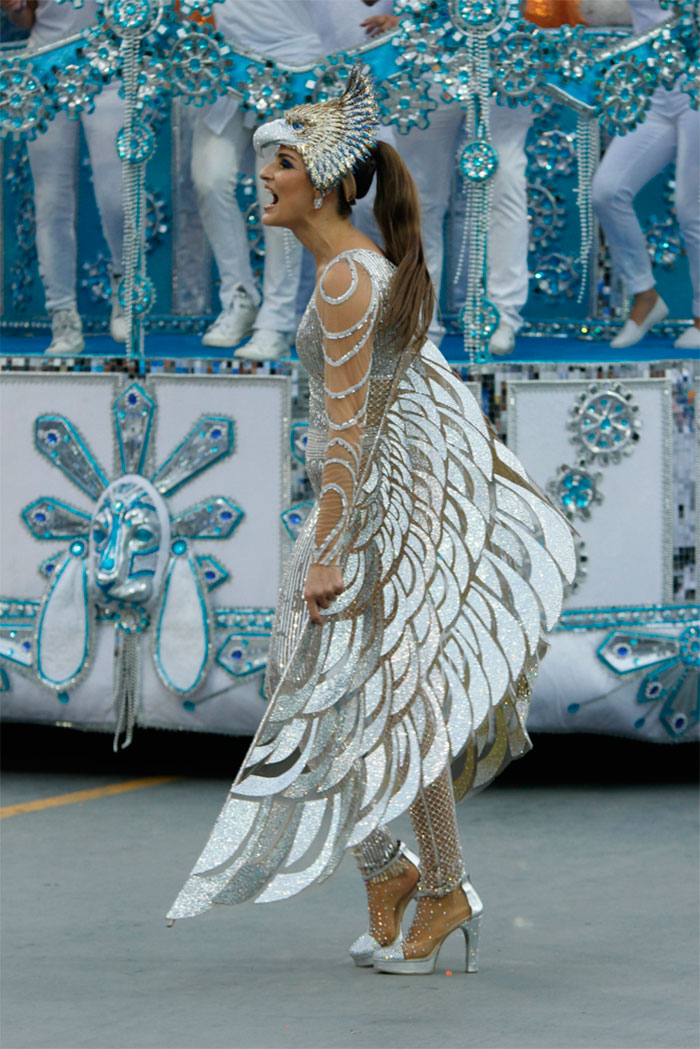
[[333, 137]]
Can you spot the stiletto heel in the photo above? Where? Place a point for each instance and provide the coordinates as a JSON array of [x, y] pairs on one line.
[[393, 960], [471, 942], [472, 927], [363, 949]]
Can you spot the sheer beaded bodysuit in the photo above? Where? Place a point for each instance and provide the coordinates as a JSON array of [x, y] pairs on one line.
[[414, 691]]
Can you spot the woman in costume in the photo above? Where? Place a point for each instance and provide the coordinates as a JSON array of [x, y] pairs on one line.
[[409, 623]]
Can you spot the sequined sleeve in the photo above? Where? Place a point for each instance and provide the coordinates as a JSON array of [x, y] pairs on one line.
[[347, 304]]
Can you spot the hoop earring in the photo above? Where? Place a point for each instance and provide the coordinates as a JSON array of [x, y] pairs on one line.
[[318, 203]]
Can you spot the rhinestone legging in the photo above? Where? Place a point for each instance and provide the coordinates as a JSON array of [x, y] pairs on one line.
[[435, 827]]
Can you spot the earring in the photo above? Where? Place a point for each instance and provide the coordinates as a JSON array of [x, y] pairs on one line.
[[318, 203]]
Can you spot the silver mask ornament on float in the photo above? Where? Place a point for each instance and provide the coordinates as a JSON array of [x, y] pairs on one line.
[[129, 542]]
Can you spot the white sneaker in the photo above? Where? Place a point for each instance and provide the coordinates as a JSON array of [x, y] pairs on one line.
[[632, 332], [266, 345], [689, 339], [233, 324], [502, 341], [117, 322], [67, 334]]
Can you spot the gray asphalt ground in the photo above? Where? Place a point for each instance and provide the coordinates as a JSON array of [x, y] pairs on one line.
[[590, 937]]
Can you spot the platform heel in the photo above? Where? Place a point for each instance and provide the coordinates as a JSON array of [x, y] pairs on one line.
[[391, 959]]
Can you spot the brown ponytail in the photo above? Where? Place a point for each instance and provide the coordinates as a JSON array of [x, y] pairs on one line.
[[397, 211]]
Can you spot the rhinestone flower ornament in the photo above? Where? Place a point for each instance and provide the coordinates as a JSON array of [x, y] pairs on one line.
[[333, 137]]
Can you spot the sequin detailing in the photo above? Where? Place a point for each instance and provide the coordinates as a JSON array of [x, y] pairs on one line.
[[333, 137], [452, 562], [377, 853]]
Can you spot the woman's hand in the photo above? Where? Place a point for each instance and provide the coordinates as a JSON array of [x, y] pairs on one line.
[[376, 24], [323, 584]]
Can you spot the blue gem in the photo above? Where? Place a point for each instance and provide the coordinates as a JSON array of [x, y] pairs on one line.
[[26, 645], [237, 654], [216, 434], [179, 546], [132, 398], [51, 437], [295, 518], [639, 723], [189, 705], [226, 515], [40, 517], [63, 697], [622, 651], [50, 568], [573, 708]]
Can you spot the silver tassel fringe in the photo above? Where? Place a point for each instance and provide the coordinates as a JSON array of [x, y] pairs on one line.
[[126, 685]]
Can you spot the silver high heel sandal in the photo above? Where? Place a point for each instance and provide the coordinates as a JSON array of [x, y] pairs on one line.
[[363, 949], [391, 959]]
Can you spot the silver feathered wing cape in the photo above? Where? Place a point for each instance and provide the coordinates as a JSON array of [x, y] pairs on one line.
[[453, 562]]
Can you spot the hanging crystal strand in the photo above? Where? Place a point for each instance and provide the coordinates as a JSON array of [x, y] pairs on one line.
[[477, 213], [469, 124], [588, 152], [126, 685], [133, 196], [288, 242]]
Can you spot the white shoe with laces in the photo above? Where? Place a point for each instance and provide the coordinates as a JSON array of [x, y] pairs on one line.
[[632, 332], [689, 339], [67, 334], [502, 341], [266, 345], [233, 324]]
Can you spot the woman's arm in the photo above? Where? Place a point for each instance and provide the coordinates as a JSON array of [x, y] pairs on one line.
[[347, 307]]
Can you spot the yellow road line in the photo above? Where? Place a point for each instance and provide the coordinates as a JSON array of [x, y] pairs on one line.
[[83, 795]]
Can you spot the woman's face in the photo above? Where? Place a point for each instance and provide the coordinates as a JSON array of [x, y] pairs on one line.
[[290, 188]]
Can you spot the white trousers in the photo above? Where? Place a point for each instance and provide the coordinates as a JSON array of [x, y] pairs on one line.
[[671, 131], [507, 283], [53, 158], [216, 161], [430, 155]]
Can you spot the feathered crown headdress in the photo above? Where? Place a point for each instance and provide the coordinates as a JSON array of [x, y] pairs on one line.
[[333, 137]]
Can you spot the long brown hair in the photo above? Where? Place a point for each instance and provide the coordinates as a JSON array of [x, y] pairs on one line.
[[397, 211]]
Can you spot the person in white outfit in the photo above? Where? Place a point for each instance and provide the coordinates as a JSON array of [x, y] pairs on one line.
[[222, 136], [508, 277], [671, 131], [53, 158], [344, 24]]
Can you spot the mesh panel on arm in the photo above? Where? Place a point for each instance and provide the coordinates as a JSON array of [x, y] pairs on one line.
[[347, 304]]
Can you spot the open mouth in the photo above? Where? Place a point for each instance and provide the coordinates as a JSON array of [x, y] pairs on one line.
[[273, 200]]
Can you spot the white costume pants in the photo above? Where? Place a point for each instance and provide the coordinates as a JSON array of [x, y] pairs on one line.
[[216, 161], [431, 157], [53, 158], [429, 154], [671, 131], [508, 276]]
